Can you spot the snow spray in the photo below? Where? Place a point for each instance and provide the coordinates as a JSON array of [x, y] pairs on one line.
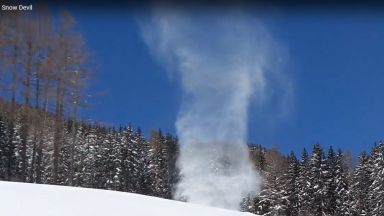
[[223, 60]]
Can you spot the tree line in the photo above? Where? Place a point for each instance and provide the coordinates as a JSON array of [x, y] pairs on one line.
[[96, 156], [103, 157], [318, 184]]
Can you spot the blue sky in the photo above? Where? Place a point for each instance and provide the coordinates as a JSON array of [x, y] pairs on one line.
[[335, 59]]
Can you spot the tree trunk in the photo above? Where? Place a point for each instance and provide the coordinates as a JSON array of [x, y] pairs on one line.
[[28, 70], [37, 93], [14, 78]]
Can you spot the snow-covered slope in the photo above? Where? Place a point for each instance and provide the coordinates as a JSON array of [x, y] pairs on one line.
[[23, 199]]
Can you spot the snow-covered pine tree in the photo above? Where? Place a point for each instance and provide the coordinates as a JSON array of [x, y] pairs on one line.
[[32, 147], [266, 203], [12, 162], [101, 154], [116, 160], [159, 158], [110, 155], [257, 155], [122, 137], [291, 194], [174, 172], [17, 141], [330, 182], [360, 187], [44, 169], [89, 166], [342, 193], [131, 160], [147, 165], [317, 179], [79, 155], [5, 150], [139, 163], [26, 147], [271, 200], [63, 169], [164, 163], [376, 188], [304, 185], [247, 204]]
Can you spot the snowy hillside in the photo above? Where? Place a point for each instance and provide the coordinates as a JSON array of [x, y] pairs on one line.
[[20, 199]]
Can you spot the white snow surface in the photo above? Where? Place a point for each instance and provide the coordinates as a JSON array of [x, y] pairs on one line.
[[22, 199]]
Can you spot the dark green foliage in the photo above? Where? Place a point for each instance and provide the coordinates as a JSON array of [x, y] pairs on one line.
[[317, 178], [317, 185], [330, 182], [342, 194], [292, 187], [304, 184], [376, 188], [91, 156], [5, 150], [360, 186]]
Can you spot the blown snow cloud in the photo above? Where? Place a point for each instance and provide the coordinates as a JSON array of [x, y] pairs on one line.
[[224, 60]]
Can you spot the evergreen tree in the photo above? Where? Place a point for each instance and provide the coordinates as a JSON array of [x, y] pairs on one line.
[[376, 188], [267, 201], [272, 200], [132, 159], [79, 155], [124, 172], [317, 178], [5, 150], [174, 172], [304, 184], [342, 193], [101, 153], [111, 160], [292, 186], [64, 156], [247, 204], [360, 187], [89, 164], [18, 142], [330, 182], [159, 161], [257, 155], [147, 166], [45, 155]]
